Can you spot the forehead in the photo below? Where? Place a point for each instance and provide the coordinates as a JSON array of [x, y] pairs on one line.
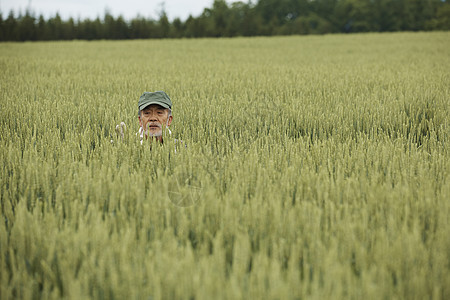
[[153, 107]]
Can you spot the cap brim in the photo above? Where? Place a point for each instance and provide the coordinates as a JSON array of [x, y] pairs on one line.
[[154, 102]]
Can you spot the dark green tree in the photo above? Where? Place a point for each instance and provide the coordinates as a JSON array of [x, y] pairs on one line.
[[140, 28], [177, 29], [42, 30], [163, 26], [69, 30], [442, 20], [220, 15], [2, 34], [196, 27], [11, 30], [26, 27], [55, 28]]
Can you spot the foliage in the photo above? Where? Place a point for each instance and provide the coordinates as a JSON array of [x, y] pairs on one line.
[[315, 167], [265, 18]]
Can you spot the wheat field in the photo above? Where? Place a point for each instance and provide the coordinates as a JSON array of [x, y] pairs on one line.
[[316, 167]]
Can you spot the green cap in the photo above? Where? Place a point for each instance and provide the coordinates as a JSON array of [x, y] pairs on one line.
[[159, 97]]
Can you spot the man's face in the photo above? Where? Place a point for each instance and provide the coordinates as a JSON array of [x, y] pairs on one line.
[[153, 118]]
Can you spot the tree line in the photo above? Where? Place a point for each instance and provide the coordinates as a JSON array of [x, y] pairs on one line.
[[263, 18]]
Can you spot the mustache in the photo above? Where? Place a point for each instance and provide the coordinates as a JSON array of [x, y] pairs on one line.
[[153, 125]]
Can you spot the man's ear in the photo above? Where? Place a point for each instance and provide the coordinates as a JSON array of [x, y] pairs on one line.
[[169, 120], [140, 121]]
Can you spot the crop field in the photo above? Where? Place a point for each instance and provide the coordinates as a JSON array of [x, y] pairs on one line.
[[314, 167]]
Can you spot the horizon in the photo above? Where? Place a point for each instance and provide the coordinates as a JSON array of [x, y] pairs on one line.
[[83, 9]]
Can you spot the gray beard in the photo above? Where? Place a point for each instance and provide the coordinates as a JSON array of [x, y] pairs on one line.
[[155, 134]]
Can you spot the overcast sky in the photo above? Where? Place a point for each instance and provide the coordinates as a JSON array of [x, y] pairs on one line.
[[96, 8]]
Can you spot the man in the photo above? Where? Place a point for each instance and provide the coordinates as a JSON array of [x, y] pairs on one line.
[[155, 116]]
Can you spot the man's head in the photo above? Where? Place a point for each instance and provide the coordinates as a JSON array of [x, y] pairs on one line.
[[154, 112]]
